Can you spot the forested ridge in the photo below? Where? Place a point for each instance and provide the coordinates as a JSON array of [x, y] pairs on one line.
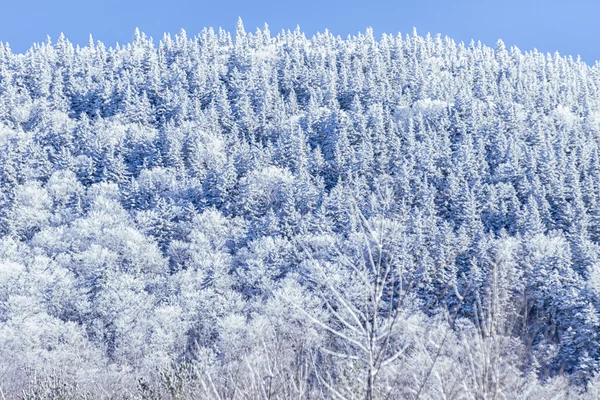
[[251, 215]]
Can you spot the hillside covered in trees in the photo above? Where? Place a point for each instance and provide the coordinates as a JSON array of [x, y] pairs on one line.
[[249, 215]]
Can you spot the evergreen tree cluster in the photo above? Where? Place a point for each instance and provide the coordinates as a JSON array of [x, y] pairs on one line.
[[275, 216]]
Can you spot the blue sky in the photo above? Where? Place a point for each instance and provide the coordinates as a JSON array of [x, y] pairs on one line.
[[570, 27]]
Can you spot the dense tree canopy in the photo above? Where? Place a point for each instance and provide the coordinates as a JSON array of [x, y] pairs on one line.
[[279, 216]]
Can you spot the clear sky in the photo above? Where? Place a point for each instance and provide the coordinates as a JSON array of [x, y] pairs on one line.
[[568, 26]]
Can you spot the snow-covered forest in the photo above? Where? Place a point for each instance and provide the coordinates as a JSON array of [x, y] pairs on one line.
[[259, 216]]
